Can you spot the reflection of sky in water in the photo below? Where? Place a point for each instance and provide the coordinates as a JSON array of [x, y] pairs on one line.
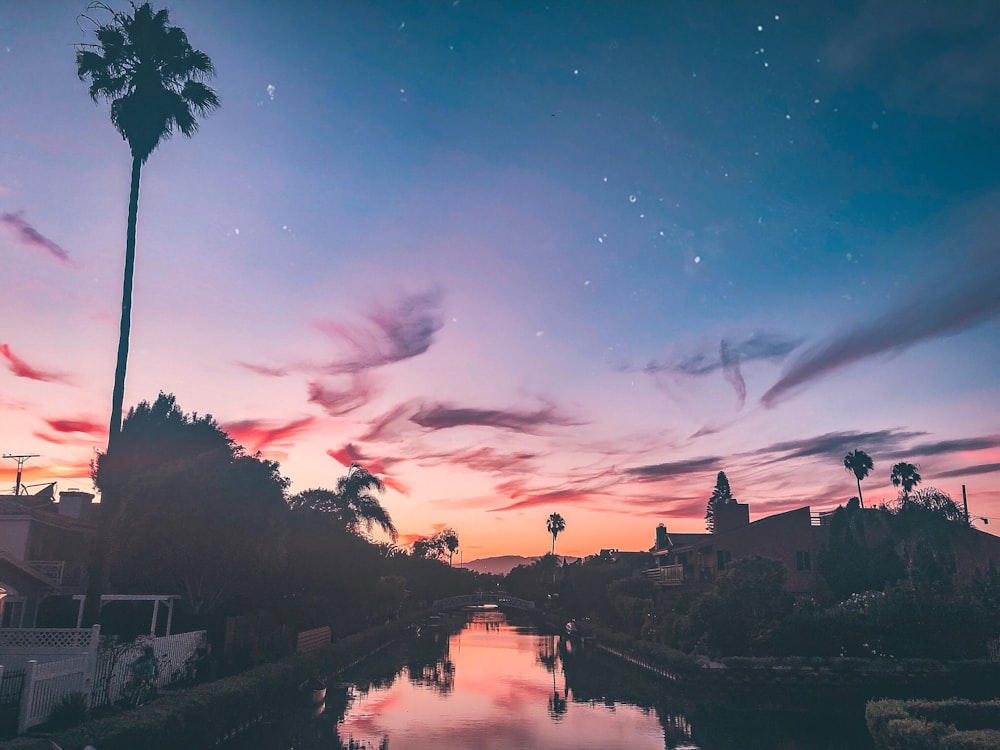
[[502, 698]]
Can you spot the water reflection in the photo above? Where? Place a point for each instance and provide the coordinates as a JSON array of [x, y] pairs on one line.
[[506, 688], [475, 680]]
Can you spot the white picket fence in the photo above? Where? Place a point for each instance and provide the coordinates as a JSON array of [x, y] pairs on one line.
[[175, 655], [60, 662], [46, 685]]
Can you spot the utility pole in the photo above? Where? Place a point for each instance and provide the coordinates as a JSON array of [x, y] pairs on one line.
[[20, 465]]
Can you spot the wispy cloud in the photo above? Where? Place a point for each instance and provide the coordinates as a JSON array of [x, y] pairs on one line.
[[444, 416], [339, 401], [259, 434], [485, 459], [79, 424], [837, 444], [968, 471], [386, 426], [590, 488], [960, 445], [23, 370], [760, 345], [654, 472], [28, 235], [943, 310], [389, 334], [67, 431], [267, 371]]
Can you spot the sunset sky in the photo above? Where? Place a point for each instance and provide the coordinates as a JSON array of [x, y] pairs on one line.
[[518, 258]]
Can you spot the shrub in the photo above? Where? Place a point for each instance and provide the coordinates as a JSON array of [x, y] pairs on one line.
[[69, 712]]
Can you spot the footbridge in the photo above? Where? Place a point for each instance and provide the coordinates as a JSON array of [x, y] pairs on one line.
[[500, 598]]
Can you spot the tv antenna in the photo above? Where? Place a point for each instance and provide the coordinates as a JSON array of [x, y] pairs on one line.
[[20, 465]]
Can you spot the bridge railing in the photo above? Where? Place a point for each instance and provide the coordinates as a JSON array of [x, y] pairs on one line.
[[484, 597]]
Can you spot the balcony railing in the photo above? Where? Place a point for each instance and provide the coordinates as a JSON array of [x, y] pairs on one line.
[[668, 575], [51, 569]]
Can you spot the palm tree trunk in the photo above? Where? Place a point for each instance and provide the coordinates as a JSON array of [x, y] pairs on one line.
[[110, 497], [861, 500], [553, 545]]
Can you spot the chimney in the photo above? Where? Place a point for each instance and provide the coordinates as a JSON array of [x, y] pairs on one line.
[[74, 503], [662, 540]]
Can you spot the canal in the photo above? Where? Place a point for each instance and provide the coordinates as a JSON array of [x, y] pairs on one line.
[[485, 681]]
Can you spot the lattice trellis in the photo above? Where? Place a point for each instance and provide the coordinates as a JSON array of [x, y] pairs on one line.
[[45, 638]]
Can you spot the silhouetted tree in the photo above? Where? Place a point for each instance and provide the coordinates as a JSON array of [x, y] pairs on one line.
[[352, 502], [445, 542], [153, 78], [924, 526], [450, 542], [849, 563], [555, 525], [721, 495], [860, 464], [905, 475], [199, 516]]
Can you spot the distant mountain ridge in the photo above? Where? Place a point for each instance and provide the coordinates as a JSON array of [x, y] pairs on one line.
[[503, 564]]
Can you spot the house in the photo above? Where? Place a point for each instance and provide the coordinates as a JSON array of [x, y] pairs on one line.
[[794, 537], [44, 549]]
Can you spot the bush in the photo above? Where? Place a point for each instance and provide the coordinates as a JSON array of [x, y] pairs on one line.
[[69, 712], [934, 725]]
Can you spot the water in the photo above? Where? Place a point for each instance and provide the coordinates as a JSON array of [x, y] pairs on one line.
[[483, 682]]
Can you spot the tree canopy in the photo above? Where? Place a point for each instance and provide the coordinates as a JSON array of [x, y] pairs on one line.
[[352, 502], [199, 516], [555, 524], [150, 73], [905, 475], [721, 495], [860, 464]]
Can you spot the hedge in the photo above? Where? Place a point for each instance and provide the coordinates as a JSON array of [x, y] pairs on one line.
[[934, 725]]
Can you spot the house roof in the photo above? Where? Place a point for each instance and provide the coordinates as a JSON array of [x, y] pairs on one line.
[[43, 511], [685, 542]]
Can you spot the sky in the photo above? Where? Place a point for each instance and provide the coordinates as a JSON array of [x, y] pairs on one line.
[[525, 258]]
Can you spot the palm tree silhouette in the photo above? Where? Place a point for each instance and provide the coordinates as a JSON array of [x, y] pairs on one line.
[[905, 475], [555, 524], [352, 502], [860, 463], [152, 77]]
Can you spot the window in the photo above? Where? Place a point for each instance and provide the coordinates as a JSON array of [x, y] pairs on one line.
[[722, 559], [803, 561]]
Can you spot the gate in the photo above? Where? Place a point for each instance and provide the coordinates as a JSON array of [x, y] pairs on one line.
[[11, 685]]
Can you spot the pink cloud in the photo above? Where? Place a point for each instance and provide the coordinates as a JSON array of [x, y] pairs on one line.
[[23, 370], [79, 424], [336, 401], [271, 372], [444, 416], [256, 434], [28, 235], [390, 334]]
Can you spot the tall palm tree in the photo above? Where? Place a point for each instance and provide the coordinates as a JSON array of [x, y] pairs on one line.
[[153, 78], [905, 475], [555, 524], [351, 502], [860, 463]]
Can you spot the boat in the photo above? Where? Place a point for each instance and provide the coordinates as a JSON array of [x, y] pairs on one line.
[[314, 690]]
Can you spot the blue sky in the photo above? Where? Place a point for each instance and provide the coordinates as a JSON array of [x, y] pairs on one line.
[[568, 257]]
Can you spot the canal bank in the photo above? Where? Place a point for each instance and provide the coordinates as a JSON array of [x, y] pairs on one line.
[[206, 714]]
